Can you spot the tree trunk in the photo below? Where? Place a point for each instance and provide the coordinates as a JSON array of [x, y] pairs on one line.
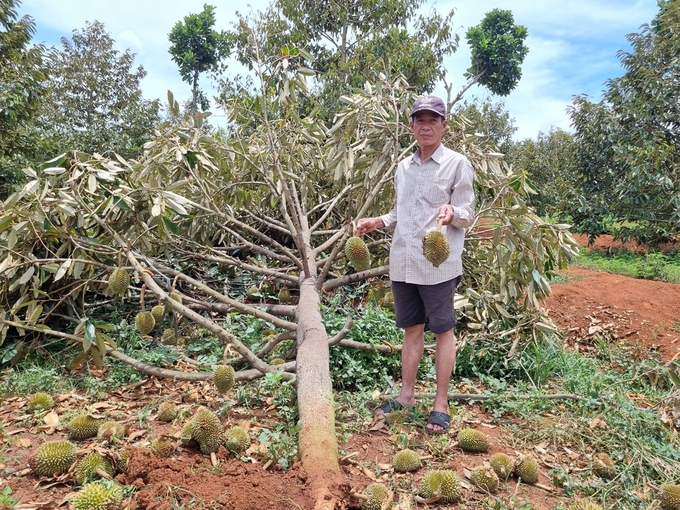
[[317, 443]]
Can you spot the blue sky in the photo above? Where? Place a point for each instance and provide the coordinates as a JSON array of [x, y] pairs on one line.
[[572, 44]]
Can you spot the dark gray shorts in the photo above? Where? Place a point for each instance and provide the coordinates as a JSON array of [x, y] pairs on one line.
[[425, 304]]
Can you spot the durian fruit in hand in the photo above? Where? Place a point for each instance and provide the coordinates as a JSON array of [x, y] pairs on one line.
[[376, 497], [473, 440], [436, 248], [119, 281], [357, 253], [406, 461], [223, 378], [444, 484], [99, 495], [53, 457], [669, 496]]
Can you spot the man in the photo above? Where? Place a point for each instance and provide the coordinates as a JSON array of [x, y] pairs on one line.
[[434, 183]]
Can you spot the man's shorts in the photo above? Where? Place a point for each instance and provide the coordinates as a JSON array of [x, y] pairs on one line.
[[425, 304]]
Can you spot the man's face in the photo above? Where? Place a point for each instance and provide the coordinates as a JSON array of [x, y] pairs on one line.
[[427, 128]]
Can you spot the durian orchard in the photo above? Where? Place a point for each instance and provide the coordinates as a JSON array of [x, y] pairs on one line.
[[275, 204]]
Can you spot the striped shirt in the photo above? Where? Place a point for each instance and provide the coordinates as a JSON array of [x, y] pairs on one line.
[[421, 188]]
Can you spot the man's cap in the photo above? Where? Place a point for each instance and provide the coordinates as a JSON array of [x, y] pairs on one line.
[[429, 103]]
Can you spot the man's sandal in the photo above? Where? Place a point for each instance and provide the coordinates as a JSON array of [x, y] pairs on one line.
[[440, 419], [389, 406]]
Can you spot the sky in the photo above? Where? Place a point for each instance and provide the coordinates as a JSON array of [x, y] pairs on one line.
[[572, 45]]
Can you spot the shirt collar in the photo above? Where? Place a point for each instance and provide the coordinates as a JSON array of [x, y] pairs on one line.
[[436, 157]]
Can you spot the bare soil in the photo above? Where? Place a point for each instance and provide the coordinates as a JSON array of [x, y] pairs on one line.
[[592, 303]]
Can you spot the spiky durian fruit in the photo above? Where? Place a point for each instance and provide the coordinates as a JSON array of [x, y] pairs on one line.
[[526, 468], [377, 495], [669, 496], [82, 427], [167, 411], [119, 281], [176, 296], [284, 295], [436, 248], [185, 435], [163, 447], [99, 495], [253, 293], [158, 312], [485, 478], [123, 459], [444, 483], [168, 336], [41, 401], [144, 322], [395, 417], [86, 468], [584, 505], [277, 361], [111, 431], [603, 466], [473, 440], [206, 428], [502, 464], [53, 457], [223, 378], [357, 253], [405, 461], [236, 440]]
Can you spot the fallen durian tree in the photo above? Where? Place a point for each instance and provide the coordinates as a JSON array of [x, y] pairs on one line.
[[274, 199]]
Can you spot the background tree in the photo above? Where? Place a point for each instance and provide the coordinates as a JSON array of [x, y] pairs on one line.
[[629, 143], [490, 119], [94, 102], [197, 48], [23, 72]]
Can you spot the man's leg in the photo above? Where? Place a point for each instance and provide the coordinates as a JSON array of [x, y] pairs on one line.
[[445, 360], [411, 354]]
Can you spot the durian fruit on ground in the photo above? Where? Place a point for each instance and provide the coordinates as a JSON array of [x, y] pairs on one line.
[[502, 464], [99, 495], [82, 427], [484, 478], [584, 505], [53, 457], [378, 496], [473, 440], [436, 248], [526, 468], [223, 378], [163, 446], [207, 430], [123, 456], [236, 440], [86, 468], [167, 411], [144, 322], [41, 400], [111, 431], [158, 313], [603, 466], [443, 483], [119, 281], [284, 295], [669, 496], [357, 253], [406, 461]]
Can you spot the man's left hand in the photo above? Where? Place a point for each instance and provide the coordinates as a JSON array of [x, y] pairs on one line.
[[446, 214]]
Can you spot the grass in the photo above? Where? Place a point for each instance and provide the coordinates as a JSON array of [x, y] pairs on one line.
[[658, 266]]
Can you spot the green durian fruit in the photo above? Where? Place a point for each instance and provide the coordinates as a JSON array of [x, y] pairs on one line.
[[119, 281], [253, 293], [168, 336], [223, 378], [473, 440], [357, 253], [176, 296], [158, 313], [185, 435], [53, 457], [144, 322], [123, 459], [444, 483], [395, 417], [527, 469], [406, 461], [167, 411], [86, 468], [99, 495], [377, 494], [111, 431], [484, 478], [669, 496], [163, 447], [502, 464], [277, 361], [236, 440], [436, 248], [206, 429], [603, 466], [42, 401], [82, 427], [584, 505], [284, 295]]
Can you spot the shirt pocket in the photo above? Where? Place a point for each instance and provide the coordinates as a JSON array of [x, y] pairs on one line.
[[437, 193]]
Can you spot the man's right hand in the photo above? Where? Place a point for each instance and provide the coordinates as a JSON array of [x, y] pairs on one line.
[[366, 225]]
